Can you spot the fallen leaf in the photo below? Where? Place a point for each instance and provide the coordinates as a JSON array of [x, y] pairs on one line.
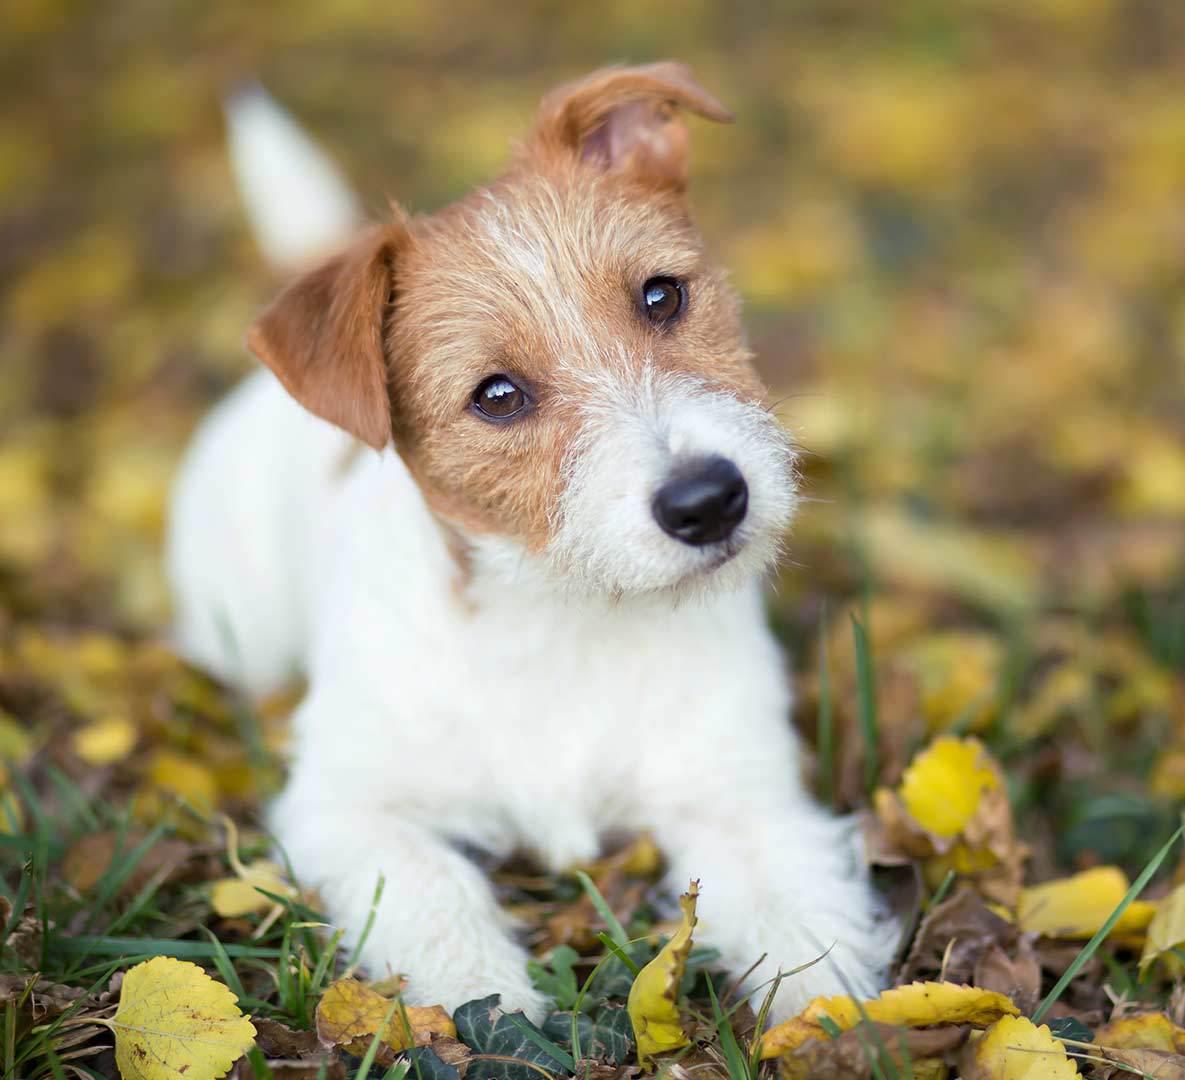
[[277, 1040], [1075, 907], [91, 856], [180, 775], [851, 1056], [951, 811], [1017, 977], [1014, 1048], [1159, 1064], [105, 741], [653, 1006], [953, 936], [240, 895], [1142, 1031], [919, 1004], [502, 1043], [959, 673], [173, 1018], [350, 1014], [944, 786], [1166, 930]]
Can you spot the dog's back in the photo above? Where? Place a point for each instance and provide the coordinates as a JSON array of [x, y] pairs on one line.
[[259, 459]]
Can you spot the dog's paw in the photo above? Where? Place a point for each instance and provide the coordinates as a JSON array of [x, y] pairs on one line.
[[853, 958]]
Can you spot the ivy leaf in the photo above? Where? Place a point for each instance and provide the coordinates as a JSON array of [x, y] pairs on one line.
[[608, 1038], [556, 978], [486, 1029]]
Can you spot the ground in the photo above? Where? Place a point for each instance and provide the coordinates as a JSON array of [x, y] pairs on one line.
[[959, 230]]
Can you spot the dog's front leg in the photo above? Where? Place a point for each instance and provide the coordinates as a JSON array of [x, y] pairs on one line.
[[783, 881], [437, 922]]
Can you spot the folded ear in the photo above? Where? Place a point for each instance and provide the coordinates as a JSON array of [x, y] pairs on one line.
[[323, 336], [626, 120]]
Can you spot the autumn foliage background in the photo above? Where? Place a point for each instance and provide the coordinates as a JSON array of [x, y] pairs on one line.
[[959, 229]]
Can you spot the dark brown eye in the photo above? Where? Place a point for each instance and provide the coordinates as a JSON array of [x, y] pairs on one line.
[[662, 299], [497, 398]]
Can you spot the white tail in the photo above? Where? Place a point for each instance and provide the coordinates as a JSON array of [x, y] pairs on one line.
[[298, 202]]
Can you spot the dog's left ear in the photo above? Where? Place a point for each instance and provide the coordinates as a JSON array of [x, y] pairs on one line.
[[626, 120]]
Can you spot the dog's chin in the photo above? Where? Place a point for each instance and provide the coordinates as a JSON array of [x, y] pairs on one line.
[[671, 570]]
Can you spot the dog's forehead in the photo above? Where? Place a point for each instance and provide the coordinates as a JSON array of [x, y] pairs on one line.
[[535, 256]]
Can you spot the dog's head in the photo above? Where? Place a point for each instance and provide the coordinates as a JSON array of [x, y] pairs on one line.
[[557, 362]]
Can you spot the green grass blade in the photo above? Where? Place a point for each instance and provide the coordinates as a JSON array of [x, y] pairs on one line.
[[825, 739], [616, 930], [1089, 949], [738, 1064], [543, 1042], [866, 693], [373, 1049], [619, 952], [148, 947]]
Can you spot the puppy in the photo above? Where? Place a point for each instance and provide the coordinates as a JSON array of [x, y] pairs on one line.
[[530, 614]]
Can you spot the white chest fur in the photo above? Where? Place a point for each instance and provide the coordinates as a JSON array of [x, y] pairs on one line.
[[502, 714]]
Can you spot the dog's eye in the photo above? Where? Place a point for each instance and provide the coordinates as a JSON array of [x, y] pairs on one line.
[[662, 299], [497, 398]]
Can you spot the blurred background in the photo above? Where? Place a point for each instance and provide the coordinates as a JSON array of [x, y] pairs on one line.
[[959, 229]]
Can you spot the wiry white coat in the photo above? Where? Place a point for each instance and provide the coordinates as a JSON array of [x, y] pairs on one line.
[[509, 711]]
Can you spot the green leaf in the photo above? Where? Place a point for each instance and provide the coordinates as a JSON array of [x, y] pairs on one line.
[[609, 1037], [428, 1066], [486, 1029], [556, 978]]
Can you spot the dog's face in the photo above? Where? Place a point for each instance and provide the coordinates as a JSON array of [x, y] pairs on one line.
[[559, 365]]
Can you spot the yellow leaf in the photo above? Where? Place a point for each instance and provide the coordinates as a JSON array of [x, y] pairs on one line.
[[942, 788], [919, 1004], [350, 1014], [1147, 1031], [16, 744], [1075, 907], [174, 1020], [105, 741], [1166, 930], [180, 775], [959, 673], [1014, 1048], [240, 895], [652, 1004], [951, 812]]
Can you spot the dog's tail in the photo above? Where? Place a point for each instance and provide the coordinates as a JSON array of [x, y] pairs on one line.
[[298, 202]]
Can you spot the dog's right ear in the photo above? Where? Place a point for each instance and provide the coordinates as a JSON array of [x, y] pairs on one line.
[[323, 336]]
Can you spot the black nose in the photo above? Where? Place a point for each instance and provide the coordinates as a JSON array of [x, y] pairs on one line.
[[703, 502]]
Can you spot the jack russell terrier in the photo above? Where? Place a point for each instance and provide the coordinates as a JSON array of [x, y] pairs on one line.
[[531, 613]]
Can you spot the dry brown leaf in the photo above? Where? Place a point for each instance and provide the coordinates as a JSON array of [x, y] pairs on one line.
[[89, 858], [350, 1014], [953, 936], [1017, 977], [1161, 1064], [848, 1057]]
